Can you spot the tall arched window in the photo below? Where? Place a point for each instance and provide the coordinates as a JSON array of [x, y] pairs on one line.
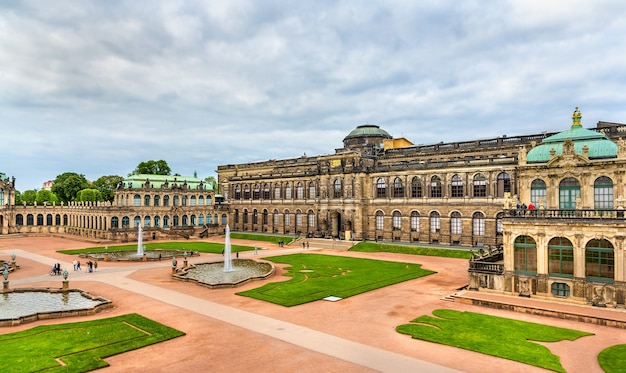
[[569, 191], [525, 255], [416, 187], [176, 200], [265, 215], [266, 191], [299, 191], [337, 188], [298, 218], [415, 221], [435, 222], [136, 221], [312, 190], [480, 185], [456, 186], [435, 187], [246, 191], [166, 200], [396, 220], [478, 224], [200, 200], [255, 216], [456, 224], [499, 228], [245, 216], [157, 221], [157, 200], [275, 218], [146, 200], [311, 220], [146, 221], [115, 222], [380, 221], [538, 192], [166, 221], [288, 191], [398, 188], [125, 222], [176, 220], [381, 188], [503, 184], [256, 192], [560, 257], [603, 193], [237, 191], [235, 217], [277, 191], [287, 217], [136, 200], [599, 261]]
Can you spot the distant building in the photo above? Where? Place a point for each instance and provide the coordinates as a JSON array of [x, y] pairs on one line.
[[47, 185]]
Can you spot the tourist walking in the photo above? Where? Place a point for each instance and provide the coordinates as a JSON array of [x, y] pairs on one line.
[[75, 265], [78, 265]]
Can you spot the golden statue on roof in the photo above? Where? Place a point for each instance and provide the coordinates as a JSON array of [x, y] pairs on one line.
[[576, 117]]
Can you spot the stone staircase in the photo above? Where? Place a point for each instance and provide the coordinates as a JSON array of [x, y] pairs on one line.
[[324, 243]]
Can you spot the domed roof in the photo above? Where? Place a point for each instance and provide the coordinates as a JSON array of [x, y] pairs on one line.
[[598, 145], [368, 130]]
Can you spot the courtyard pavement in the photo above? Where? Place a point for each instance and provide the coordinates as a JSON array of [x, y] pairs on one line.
[[226, 332]]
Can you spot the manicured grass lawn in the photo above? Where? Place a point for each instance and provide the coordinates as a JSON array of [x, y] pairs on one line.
[[371, 247], [612, 359], [491, 335], [203, 247], [316, 276], [262, 237], [81, 346]]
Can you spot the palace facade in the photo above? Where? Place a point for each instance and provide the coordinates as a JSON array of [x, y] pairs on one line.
[[166, 207]]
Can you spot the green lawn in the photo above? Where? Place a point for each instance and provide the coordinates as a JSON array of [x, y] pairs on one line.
[[612, 359], [262, 237], [316, 276], [80, 346], [203, 247], [371, 247], [491, 335]]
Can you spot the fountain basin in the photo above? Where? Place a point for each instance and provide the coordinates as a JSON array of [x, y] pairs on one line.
[[212, 275], [152, 255], [22, 305]]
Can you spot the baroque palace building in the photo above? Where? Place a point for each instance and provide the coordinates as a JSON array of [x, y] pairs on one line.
[[165, 207]]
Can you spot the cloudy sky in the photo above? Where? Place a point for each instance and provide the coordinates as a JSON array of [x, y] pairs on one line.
[[96, 87]]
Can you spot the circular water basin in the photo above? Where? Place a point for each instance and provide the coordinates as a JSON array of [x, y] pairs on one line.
[[212, 274]]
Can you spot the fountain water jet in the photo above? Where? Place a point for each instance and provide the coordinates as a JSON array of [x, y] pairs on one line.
[[228, 261], [139, 241]]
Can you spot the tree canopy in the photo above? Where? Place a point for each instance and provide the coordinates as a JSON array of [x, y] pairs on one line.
[[107, 185], [151, 167], [67, 185], [90, 194], [46, 196], [211, 183]]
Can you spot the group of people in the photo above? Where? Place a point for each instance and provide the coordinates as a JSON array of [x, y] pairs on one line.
[[56, 269], [92, 266], [521, 209]]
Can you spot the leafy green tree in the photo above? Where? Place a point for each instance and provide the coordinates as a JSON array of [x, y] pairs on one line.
[[29, 196], [89, 195], [18, 197], [211, 183], [44, 196], [152, 168], [107, 185], [67, 185]]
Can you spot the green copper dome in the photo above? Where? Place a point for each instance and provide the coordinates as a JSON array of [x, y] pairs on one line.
[[598, 145], [368, 130]]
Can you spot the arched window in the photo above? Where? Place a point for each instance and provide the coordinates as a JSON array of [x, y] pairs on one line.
[[235, 217], [299, 191], [125, 222], [381, 188], [166, 200], [166, 221], [146, 200], [525, 255], [275, 218], [176, 220], [456, 224], [266, 191], [255, 217], [338, 188], [237, 191], [380, 221], [192, 201], [277, 191], [560, 257], [435, 187], [224, 219], [503, 184], [569, 191], [49, 219], [19, 219], [538, 192], [209, 219], [136, 200], [185, 198], [157, 221], [201, 220], [478, 224], [265, 215], [287, 217], [115, 222], [245, 216], [603, 193], [146, 221], [256, 192], [136, 221], [298, 218], [57, 219], [157, 200], [480, 185], [311, 220], [456, 186], [246, 191], [209, 200], [416, 187], [396, 220], [415, 221], [499, 228], [398, 188], [200, 200], [312, 190], [435, 222], [30, 219], [599, 261], [176, 200], [288, 191]]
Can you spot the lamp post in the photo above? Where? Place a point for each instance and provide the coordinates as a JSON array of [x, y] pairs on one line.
[[6, 279]]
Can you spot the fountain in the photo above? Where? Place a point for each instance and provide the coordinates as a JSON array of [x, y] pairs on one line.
[[230, 273], [139, 241]]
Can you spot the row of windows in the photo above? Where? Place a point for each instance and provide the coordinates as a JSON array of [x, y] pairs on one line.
[[433, 187], [570, 193], [254, 216], [599, 258], [176, 201], [263, 192], [155, 221], [456, 219]]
